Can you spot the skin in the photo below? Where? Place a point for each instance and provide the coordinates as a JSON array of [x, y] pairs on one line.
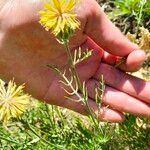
[[26, 49]]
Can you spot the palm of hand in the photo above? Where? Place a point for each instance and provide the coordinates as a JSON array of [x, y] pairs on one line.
[[27, 49]]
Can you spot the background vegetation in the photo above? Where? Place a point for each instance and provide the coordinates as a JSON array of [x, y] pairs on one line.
[[45, 127]]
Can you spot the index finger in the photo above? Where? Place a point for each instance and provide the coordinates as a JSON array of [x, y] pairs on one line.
[[103, 32]]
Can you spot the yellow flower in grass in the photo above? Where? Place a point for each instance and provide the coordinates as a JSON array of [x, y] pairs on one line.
[[59, 16], [12, 101]]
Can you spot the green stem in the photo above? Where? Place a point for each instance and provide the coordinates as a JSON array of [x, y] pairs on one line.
[[122, 61], [73, 67], [29, 127], [140, 16], [8, 140], [60, 116], [44, 140], [51, 117]]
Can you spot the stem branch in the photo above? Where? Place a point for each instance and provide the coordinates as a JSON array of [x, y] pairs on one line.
[[73, 67]]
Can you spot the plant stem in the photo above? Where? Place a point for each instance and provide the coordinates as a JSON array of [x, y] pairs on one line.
[[122, 61], [39, 136], [8, 140], [143, 2], [73, 67], [51, 117]]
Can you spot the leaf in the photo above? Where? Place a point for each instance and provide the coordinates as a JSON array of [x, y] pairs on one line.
[[80, 56]]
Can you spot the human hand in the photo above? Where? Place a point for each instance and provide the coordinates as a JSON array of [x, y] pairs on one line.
[[26, 50]]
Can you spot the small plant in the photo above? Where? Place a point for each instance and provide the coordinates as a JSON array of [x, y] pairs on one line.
[[132, 10], [60, 18]]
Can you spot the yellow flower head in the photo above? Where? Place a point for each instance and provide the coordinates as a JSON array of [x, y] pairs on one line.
[[59, 16], [12, 101]]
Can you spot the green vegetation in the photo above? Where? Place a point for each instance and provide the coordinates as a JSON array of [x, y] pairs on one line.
[[133, 13], [46, 127], [132, 8]]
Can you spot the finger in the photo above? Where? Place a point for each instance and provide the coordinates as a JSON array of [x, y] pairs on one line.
[[105, 114], [106, 35], [119, 101], [132, 63], [124, 82]]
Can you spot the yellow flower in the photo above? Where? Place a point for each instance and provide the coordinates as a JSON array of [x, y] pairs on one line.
[[59, 16], [12, 101]]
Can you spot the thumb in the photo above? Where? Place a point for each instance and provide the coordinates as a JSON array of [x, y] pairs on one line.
[[106, 35]]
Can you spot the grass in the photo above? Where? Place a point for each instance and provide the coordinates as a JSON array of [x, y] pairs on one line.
[[46, 127], [50, 127], [129, 15]]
